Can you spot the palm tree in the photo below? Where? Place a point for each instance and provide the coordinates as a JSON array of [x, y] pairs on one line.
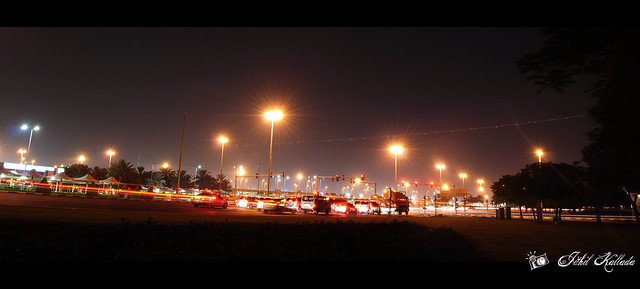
[[203, 179], [99, 173], [185, 179], [77, 170], [123, 171], [156, 180]]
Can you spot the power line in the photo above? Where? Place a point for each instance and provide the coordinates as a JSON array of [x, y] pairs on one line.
[[448, 130], [445, 131]]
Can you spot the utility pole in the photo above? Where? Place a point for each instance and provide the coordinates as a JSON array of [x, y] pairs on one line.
[[181, 145]]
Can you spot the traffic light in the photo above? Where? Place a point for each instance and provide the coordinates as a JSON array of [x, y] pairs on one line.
[[431, 184], [362, 177], [256, 175], [337, 177], [416, 182], [402, 182]]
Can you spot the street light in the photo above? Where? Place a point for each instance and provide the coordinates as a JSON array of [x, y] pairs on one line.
[[21, 152], [539, 153], [440, 167], [462, 175], [271, 115], [396, 149], [25, 127], [81, 159], [110, 153], [221, 140]]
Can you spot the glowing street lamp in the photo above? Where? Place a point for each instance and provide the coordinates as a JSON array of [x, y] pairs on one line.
[[110, 153], [271, 115], [81, 158], [440, 167], [221, 140], [396, 149], [539, 153], [165, 165], [462, 175], [21, 152], [25, 127]]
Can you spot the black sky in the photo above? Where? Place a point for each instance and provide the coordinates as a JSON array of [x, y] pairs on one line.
[[347, 94]]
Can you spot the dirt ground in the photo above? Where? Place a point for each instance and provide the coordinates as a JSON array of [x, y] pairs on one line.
[[499, 240]]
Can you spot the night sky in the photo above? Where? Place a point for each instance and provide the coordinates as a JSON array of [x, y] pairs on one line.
[[347, 94]]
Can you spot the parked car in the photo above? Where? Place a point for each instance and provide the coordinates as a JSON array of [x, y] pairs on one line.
[[210, 200]]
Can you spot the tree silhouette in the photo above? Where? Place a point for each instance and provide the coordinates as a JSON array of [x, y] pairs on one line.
[[611, 57]]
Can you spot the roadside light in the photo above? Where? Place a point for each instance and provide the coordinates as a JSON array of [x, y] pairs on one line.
[[396, 149], [273, 115]]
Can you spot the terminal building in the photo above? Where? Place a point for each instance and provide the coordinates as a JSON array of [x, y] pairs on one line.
[[43, 170]]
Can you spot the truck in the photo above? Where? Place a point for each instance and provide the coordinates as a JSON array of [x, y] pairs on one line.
[[398, 202]]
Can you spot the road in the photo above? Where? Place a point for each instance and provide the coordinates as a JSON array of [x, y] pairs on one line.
[[161, 209], [181, 209]]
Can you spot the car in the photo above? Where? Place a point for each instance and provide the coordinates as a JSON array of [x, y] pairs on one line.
[[269, 204], [374, 208], [342, 206], [209, 200], [307, 203], [362, 206], [321, 204], [292, 204], [281, 205]]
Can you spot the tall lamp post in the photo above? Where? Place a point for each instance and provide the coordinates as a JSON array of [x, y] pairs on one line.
[[271, 115], [110, 153], [440, 167], [221, 140], [395, 149], [539, 153], [25, 127]]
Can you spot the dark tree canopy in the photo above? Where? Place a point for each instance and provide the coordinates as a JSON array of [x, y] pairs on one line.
[[610, 59], [558, 185]]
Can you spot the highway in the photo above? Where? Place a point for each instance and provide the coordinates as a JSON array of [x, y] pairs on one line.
[[181, 209]]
